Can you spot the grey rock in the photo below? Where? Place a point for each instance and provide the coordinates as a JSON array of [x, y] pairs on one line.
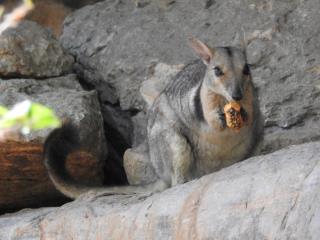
[[69, 101], [117, 44], [31, 51], [274, 196], [139, 128], [141, 3], [119, 121]]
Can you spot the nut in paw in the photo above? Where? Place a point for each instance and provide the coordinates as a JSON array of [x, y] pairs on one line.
[[233, 115]]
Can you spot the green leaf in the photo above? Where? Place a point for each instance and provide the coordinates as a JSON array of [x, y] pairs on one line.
[[42, 117], [29, 116], [3, 110]]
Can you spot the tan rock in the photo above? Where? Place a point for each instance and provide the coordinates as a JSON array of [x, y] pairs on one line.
[[274, 196]]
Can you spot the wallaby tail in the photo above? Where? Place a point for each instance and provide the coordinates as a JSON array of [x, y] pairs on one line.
[[59, 144]]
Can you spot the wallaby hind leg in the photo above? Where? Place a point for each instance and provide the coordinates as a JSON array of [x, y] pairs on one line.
[[171, 155], [182, 159]]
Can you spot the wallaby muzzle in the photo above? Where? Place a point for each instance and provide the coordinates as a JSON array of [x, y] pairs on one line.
[[236, 93]]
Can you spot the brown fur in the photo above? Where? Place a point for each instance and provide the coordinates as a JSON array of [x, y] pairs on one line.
[[210, 102]]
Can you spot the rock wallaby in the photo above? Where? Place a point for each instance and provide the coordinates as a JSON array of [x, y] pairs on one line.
[[187, 134]]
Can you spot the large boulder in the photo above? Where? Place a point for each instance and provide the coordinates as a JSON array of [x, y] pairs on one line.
[[274, 196], [116, 46], [31, 51], [23, 178]]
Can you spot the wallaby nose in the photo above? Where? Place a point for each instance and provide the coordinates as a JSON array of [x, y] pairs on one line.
[[237, 95]]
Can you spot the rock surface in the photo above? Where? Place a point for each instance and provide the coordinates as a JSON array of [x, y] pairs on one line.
[[23, 178], [69, 101], [274, 196], [31, 51], [159, 77], [116, 45], [24, 181]]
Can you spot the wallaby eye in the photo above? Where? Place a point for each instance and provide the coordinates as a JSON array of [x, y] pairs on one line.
[[246, 70], [218, 71]]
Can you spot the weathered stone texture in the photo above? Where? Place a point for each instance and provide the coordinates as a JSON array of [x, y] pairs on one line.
[[31, 51], [275, 196], [116, 45]]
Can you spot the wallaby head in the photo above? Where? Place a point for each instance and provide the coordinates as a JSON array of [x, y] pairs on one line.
[[227, 70]]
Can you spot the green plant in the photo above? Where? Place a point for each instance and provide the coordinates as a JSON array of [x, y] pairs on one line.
[[27, 116]]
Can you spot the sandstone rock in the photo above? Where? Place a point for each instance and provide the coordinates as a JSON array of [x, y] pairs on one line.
[[24, 181], [116, 44], [31, 51], [50, 14], [67, 98], [274, 196], [23, 178]]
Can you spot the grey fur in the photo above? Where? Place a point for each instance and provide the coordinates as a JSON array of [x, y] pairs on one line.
[[174, 120]]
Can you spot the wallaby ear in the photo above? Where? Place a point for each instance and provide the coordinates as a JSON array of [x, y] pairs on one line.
[[201, 49]]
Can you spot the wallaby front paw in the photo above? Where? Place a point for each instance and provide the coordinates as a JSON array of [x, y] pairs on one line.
[[217, 120], [222, 119], [244, 114]]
